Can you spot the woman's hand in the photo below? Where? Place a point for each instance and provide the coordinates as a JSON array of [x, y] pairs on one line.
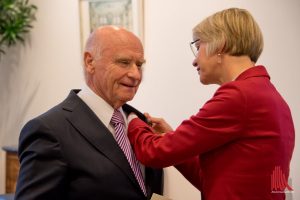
[[158, 124]]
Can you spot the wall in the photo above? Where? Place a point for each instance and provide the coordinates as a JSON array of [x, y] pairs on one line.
[[36, 77], [50, 66]]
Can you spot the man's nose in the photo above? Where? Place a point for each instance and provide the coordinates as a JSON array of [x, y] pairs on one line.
[[135, 72]]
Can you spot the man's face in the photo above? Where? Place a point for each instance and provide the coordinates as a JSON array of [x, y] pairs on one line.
[[118, 72]]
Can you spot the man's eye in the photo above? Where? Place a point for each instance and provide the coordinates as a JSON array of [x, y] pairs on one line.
[[139, 65], [124, 62]]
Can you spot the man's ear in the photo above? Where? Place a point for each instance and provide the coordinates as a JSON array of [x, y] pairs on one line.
[[88, 62]]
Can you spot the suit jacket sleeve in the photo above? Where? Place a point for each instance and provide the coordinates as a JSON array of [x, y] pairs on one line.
[[42, 170], [219, 121]]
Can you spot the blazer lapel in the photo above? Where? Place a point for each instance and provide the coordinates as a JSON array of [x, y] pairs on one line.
[[129, 109], [154, 178], [94, 131]]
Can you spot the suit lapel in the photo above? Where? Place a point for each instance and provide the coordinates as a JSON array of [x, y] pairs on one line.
[[153, 177], [129, 109], [93, 130]]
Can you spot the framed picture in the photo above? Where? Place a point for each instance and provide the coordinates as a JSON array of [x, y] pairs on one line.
[[123, 13]]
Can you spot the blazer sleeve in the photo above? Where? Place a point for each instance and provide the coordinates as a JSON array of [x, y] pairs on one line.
[[218, 122], [42, 168]]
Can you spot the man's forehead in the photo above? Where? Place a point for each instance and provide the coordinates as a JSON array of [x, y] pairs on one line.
[[131, 56]]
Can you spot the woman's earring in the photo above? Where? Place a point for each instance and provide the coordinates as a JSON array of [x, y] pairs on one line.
[[219, 61]]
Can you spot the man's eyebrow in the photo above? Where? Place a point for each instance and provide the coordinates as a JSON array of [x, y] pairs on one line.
[[121, 57], [142, 61]]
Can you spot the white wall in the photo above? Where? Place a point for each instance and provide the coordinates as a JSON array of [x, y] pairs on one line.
[[38, 76], [51, 66]]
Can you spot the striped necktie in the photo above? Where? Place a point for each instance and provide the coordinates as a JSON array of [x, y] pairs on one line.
[[118, 123]]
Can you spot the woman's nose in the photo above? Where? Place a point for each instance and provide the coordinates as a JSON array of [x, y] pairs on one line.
[[195, 64]]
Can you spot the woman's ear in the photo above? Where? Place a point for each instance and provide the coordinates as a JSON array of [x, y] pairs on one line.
[[219, 58]]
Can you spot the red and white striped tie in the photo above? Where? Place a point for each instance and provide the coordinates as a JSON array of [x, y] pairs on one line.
[[118, 123]]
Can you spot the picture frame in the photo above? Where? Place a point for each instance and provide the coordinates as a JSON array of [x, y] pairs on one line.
[[123, 13]]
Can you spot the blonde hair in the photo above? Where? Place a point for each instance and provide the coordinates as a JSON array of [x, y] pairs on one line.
[[233, 31]]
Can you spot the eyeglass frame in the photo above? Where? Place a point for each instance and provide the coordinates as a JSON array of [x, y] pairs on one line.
[[194, 50]]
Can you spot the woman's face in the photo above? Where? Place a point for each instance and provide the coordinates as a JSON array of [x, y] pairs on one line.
[[207, 66]]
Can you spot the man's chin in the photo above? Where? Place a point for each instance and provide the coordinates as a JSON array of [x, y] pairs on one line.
[[127, 97]]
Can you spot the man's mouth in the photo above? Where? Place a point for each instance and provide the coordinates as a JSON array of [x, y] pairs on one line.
[[128, 85]]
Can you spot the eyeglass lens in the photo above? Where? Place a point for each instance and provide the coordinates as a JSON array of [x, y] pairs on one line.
[[194, 48]]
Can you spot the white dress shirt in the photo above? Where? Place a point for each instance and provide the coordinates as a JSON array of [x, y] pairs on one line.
[[103, 111]]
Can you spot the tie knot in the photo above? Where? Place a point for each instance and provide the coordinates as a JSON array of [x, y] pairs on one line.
[[117, 117]]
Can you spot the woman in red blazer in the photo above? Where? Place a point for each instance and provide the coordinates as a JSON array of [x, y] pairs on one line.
[[238, 146]]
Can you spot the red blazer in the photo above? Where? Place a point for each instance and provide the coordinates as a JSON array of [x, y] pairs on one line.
[[230, 148]]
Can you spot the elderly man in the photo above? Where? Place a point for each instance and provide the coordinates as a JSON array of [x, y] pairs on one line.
[[79, 149]]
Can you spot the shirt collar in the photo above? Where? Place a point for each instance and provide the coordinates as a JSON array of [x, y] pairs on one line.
[[98, 105]]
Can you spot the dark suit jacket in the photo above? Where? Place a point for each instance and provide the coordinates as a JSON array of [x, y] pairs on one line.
[[67, 153]]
